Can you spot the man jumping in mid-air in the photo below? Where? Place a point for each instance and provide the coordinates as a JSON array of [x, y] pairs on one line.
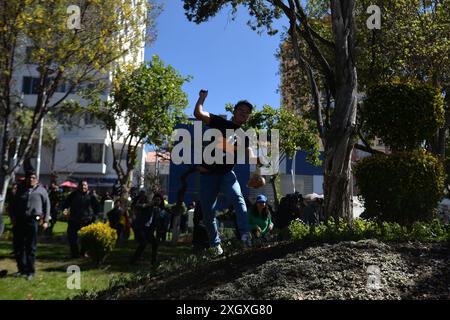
[[217, 177]]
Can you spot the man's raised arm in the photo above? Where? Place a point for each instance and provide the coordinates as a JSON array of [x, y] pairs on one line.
[[198, 111]]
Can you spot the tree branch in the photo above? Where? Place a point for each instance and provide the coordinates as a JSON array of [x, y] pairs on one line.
[[116, 164], [314, 88], [307, 35]]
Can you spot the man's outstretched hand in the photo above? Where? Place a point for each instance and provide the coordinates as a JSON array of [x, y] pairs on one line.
[[198, 111]]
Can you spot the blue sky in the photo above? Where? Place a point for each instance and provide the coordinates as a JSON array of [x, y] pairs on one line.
[[223, 56]]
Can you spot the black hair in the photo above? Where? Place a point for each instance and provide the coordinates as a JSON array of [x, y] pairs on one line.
[[160, 196], [265, 213], [29, 173], [244, 103]]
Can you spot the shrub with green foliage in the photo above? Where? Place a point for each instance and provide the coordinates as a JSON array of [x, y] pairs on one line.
[[332, 231], [98, 239], [403, 114], [402, 187], [299, 230]]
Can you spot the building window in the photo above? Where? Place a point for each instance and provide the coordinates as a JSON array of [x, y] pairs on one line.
[[30, 85], [90, 153]]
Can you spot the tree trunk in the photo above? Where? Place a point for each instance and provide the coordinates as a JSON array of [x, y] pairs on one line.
[[339, 139], [337, 186], [124, 195], [273, 181], [4, 166], [4, 182]]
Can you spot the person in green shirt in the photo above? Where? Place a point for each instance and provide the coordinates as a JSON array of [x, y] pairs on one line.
[[259, 218]]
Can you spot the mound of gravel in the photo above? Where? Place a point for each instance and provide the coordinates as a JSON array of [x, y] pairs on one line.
[[365, 269]]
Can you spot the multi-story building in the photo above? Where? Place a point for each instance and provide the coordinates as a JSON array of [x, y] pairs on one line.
[[83, 149]]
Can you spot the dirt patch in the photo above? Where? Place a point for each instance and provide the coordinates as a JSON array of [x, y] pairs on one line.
[[365, 269]]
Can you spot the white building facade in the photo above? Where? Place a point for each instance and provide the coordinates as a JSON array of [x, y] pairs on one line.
[[83, 150]]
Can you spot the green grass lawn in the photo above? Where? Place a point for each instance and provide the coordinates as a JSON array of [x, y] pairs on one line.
[[52, 261]]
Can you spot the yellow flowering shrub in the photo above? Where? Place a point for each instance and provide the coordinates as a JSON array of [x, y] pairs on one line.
[[98, 239]]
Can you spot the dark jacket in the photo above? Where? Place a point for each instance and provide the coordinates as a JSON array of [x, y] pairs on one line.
[[30, 202], [141, 211], [114, 216], [83, 207], [56, 198], [310, 214]]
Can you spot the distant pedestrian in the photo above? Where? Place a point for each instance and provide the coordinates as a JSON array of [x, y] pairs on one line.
[[310, 212], [163, 217], [84, 209], [105, 197], [56, 198], [30, 206], [145, 225], [114, 218]]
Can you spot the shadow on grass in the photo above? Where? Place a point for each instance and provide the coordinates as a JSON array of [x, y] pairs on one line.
[[53, 256], [117, 261]]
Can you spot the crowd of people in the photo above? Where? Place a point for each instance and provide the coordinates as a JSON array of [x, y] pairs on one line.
[[148, 215], [34, 210], [33, 207]]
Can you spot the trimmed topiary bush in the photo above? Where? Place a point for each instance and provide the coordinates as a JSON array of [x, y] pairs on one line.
[[403, 187], [403, 115], [98, 239]]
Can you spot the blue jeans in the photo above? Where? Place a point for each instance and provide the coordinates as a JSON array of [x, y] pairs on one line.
[[211, 185]]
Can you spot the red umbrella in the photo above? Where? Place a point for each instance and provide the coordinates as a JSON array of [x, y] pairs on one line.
[[69, 184]]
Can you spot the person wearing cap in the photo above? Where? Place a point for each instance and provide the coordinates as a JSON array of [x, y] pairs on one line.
[[30, 206], [220, 177], [260, 218]]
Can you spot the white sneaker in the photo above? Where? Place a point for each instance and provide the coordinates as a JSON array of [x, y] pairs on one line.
[[246, 240], [217, 250]]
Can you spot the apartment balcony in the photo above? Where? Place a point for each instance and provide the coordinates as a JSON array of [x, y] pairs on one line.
[[97, 168]]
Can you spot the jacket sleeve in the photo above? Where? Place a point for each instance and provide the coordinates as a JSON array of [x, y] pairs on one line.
[[266, 226], [95, 205], [67, 202], [11, 207], [46, 206]]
